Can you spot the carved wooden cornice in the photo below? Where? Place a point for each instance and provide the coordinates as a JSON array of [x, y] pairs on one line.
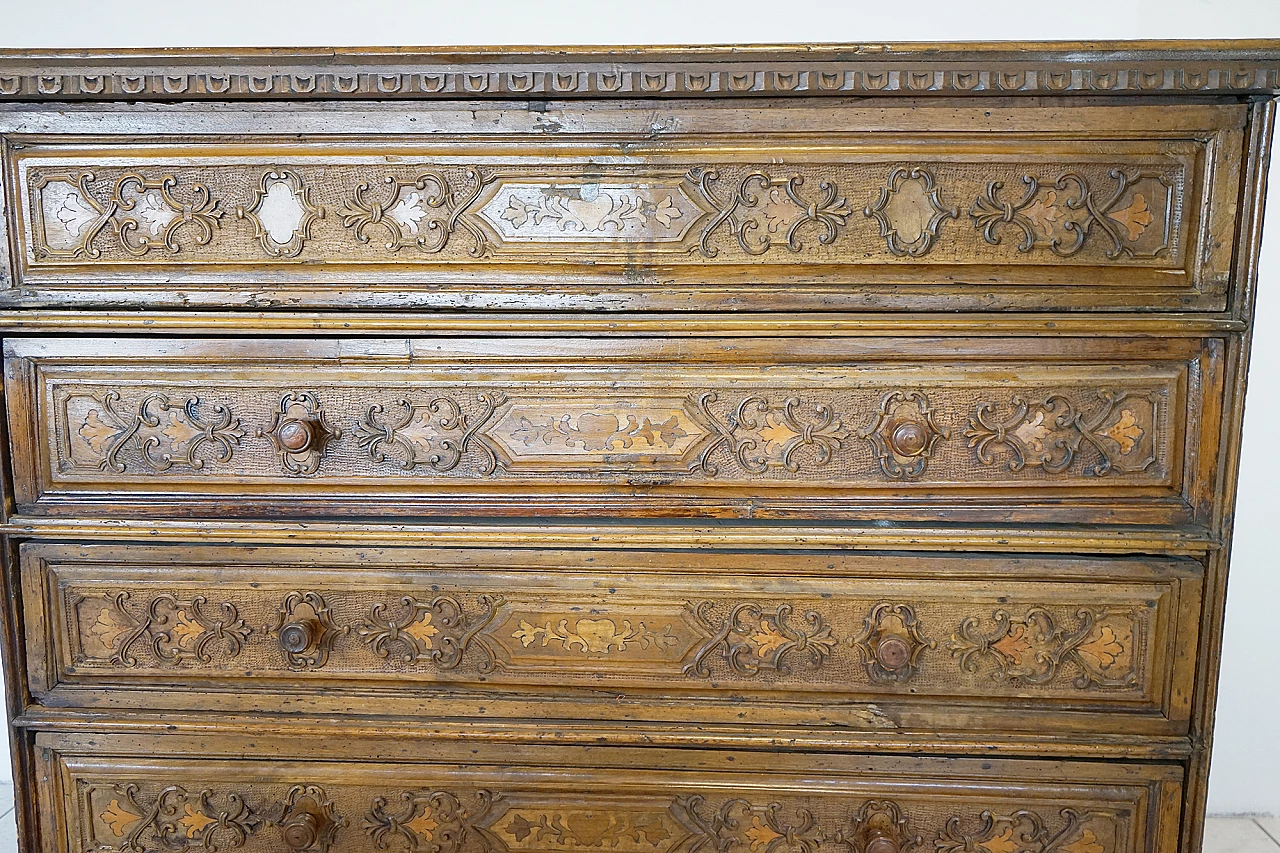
[[1240, 67]]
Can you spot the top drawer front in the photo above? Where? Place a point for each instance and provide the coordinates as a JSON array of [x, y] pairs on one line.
[[1089, 207]]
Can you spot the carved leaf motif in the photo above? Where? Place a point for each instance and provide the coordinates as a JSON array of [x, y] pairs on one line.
[[1135, 218], [97, 432], [108, 627], [1015, 644], [118, 818], [1124, 432], [1103, 650], [185, 630], [760, 835], [1002, 843], [1086, 843], [768, 639], [422, 630], [423, 825], [194, 821]]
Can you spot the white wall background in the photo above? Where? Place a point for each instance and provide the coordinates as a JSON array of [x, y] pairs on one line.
[[1246, 768]]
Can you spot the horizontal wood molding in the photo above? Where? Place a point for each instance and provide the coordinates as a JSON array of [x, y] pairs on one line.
[[1045, 68]]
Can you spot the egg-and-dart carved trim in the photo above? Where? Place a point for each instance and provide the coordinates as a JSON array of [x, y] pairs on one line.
[[837, 71]]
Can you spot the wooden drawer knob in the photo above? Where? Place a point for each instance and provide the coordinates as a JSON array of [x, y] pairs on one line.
[[298, 435], [882, 845], [894, 653], [302, 831], [298, 637], [909, 439]]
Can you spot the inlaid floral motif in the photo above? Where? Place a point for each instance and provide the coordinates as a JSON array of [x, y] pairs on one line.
[[594, 636]]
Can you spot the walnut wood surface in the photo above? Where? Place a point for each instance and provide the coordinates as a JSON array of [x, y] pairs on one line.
[[760, 449]]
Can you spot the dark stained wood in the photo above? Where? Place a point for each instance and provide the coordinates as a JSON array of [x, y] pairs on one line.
[[537, 450]]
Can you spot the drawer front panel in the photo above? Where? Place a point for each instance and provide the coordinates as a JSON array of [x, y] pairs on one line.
[[606, 799], [941, 641], [1013, 429], [1116, 203]]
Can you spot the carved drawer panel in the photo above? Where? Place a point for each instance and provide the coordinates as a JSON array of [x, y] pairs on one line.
[[1099, 207], [123, 794], [952, 642], [1048, 429]]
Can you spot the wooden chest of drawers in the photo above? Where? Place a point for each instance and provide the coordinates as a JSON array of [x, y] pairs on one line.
[[768, 450]]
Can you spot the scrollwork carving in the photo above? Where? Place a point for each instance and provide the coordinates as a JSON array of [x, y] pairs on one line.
[[437, 631], [750, 640], [414, 216], [1034, 649], [1063, 215], [1025, 832], [762, 209], [1050, 433], [175, 630], [760, 434], [431, 820], [145, 213], [162, 434], [436, 434], [741, 825], [176, 819]]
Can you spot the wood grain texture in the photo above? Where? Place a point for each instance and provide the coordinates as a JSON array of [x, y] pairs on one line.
[[759, 449]]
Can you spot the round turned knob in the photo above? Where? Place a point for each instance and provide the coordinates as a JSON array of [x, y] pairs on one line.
[[909, 439], [883, 845], [301, 831], [893, 653], [297, 637], [296, 436]]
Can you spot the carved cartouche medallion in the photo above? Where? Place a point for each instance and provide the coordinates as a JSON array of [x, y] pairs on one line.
[[305, 630], [300, 432], [890, 644]]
